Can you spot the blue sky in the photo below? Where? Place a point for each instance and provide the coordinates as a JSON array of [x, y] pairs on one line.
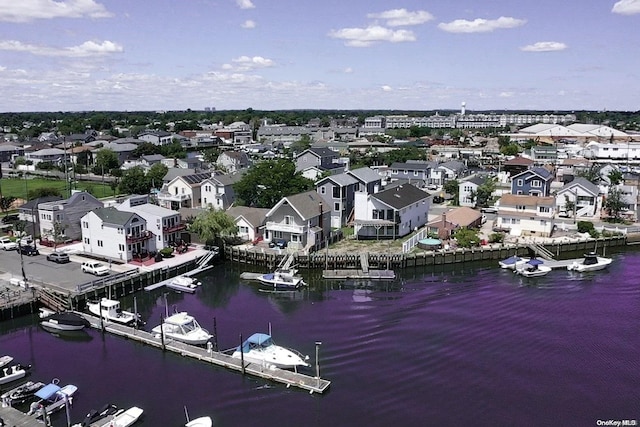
[[71, 55]]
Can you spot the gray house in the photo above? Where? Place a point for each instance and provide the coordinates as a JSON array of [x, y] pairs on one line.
[[337, 191], [67, 213]]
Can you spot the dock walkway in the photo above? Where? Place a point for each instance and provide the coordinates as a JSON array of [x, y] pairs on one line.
[[359, 274], [289, 378], [14, 418]]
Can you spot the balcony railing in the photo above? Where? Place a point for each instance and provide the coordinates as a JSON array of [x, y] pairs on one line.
[[173, 228], [287, 228], [174, 197], [140, 237]]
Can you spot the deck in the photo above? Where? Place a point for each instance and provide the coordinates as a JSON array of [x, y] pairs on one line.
[[14, 418], [283, 376], [359, 274]]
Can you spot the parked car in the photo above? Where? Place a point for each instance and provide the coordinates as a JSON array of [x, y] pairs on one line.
[[7, 244], [489, 209], [95, 267], [59, 257], [278, 243], [29, 250]]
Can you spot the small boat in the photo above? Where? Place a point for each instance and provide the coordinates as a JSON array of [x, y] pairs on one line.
[[5, 360], [182, 327], [52, 398], [512, 262], [111, 311], [64, 321], [200, 422], [13, 373], [533, 268], [21, 394], [260, 348], [124, 418], [184, 284], [95, 415], [590, 262], [284, 277]]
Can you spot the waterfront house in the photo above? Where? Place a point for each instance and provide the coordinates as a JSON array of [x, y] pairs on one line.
[[111, 233], [313, 162], [579, 198], [468, 189], [217, 190], [250, 221], [165, 224], [337, 191], [390, 213], [532, 182], [232, 161], [302, 220], [447, 223], [369, 180], [183, 191], [67, 213], [523, 215]]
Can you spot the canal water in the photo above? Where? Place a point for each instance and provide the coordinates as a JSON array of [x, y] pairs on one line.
[[457, 345]]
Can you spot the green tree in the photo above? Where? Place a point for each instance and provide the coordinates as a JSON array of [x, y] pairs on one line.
[[146, 149], [615, 177], [467, 237], [135, 181], [213, 224], [614, 204], [510, 150], [269, 181], [300, 145], [56, 234], [173, 150], [156, 174], [592, 174], [484, 193], [210, 155], [6, 202], [44, 192], [453, 187], [106, 159]]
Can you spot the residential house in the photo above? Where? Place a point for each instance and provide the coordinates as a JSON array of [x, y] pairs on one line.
[[390, 213], [449, 171], [629, 199], [579, 198], [156, 137], [569, 168], [217, 190], [318, 160], [49, 155], [468, 189], [303, 220], [111, 233], [183, 192], [532, 182], [237, 133], [517, 165], [369, 180], [526, 215], [151, 159], [9, 152], [67, 214], [28, 212], [165, 224], [250, 221], [447, 223], [338, 192], [123, 150], [415, 172], [232, 161]]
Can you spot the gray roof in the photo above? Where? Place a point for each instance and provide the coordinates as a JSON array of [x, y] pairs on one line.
[[227, 179], [365, 175], [48, 152], [584, 183], [541, 172], [33, 204], [152, 157], [341, 179], [175, 172], [114, 216], [196, 178], [401, 196], [477, 179], [412, 166], [453, 165], [119, 147], [308, 204], [9, 147], [254, 216]]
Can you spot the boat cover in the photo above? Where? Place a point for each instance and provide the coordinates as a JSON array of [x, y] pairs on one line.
[[511, 260], [256, 340], [47, 391], [535, 261]]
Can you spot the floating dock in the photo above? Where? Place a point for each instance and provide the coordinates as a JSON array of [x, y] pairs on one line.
[[283, 376], [15, 418], [359, 274]]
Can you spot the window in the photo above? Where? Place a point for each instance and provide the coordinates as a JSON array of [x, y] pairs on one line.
[[415, 173], [296, 238], [520, 207], [288, 219], [100, 243], [121, 248], [336, 207], [85, 224], [520, 182], [323, 190], [536, 183], [545, 209], [243, 229], [86, 240], [336, 192]]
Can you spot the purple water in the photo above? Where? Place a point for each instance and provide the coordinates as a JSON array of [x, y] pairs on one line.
[[458, 345]]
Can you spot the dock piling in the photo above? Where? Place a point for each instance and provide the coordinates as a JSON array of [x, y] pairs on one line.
[[242, 356]]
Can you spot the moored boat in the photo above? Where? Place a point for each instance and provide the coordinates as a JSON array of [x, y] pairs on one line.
[[13, 373], [183, 327], [512, 262], [590, 262], [533, 268], [111, 310], [52, 398], [260, 348], [124, 418], [95, 415], [63, 321], [285, 277], [200, 422], [184, 284], [21, 394], [5, 360]]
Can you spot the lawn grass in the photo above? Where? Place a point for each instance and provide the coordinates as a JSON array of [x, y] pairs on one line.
[[20, 187]]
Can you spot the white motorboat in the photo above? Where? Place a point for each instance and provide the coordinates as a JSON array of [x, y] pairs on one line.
[[96, 415], [5, 360], [260, 348], [184, 284], [533, 268], [124, 418], [284, 277], [184, 328], [590, 262], [13, 373], [21, 394], [111, 311], [64, 321], [200, 422], [513, 262], [52, 398]]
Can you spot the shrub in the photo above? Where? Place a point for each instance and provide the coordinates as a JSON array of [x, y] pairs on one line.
[[496, 238], [585, 227], [166, 252]]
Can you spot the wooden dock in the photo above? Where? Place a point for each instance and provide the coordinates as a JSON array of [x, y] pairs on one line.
[[283, 376], [359, 274], [14, 418]]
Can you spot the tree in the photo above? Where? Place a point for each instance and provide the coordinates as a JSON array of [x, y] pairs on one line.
[[106, 159], [6, 202], [592, 174], [44, 192], [614, 204], [267, 182], [213, 224], [452, 187], [146, 149], [510, 150], [484, 193], [466, 237], [56, 234], [210, 155], [615, 177], [156, 174], [300, 145], [135, 181]]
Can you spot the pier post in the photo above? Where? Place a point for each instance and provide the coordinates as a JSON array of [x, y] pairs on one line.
[[318, 344], [162, 332], [100, 314], [242, 355], [215, 335], [135, 313]]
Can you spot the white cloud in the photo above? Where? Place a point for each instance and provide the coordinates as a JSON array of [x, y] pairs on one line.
[[86, 49], [247, 63], [363, 37], [348, 70], [245, 4], [506, 94], [480, 25], [248, 24], [29, 10], [402, 17], [544, 47], [626, 7], [386, 88]]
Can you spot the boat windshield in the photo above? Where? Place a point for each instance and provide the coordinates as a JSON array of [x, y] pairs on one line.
[[190, 326]]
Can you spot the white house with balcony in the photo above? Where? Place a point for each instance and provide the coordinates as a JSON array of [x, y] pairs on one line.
[[250, 221], [303, 220], [183, 192], [217, 191], [165, 224], [390, 213], [111, 233], [524, 215], [579, 198]]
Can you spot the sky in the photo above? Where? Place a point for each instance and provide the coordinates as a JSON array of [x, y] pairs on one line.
[[494, 55]]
